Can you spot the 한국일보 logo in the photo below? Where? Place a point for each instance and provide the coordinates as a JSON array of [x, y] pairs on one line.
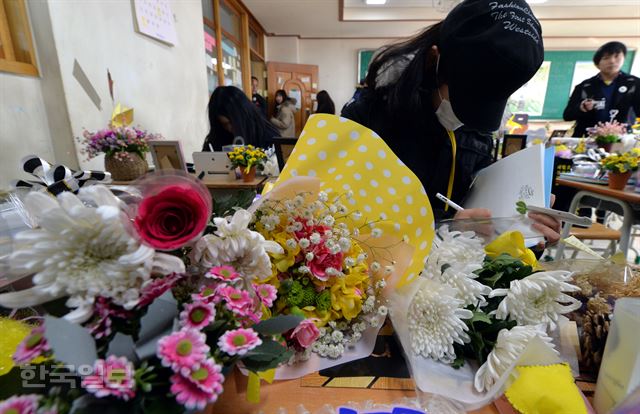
[[394, 410]]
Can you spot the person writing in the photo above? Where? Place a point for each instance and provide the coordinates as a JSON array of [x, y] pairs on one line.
[[235, 120], [435, 98], [610, 95]]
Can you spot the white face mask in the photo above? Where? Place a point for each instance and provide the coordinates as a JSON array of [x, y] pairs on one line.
[[445, 114]]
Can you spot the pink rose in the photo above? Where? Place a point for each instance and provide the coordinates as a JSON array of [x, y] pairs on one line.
[[305, 334], [172, 217], [324, 259]]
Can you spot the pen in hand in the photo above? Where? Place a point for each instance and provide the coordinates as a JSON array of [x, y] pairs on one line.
[[448, 202]]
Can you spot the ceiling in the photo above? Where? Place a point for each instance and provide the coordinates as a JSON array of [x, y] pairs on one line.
[[401, 18]]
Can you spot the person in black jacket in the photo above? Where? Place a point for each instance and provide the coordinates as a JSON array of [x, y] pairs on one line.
[[257, 99], [438, 96], [325, 103], [233, 116], [610, 95]]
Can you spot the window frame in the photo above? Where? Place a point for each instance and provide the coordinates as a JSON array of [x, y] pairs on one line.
[[8, 63]]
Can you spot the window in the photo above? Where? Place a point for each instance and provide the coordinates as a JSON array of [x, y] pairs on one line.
[[231, 63], [211, 51], [16, 46]]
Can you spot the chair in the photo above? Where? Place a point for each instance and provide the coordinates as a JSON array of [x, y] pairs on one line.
[[283, 147]]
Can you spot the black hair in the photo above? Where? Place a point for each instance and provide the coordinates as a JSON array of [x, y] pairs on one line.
[[610, 48], [282, 93], [246, 121], [253, 77], [411, 93], [325, 103]]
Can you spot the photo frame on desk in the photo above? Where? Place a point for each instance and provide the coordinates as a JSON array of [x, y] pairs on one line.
[[167, 155], [513, 143], [559, 133]]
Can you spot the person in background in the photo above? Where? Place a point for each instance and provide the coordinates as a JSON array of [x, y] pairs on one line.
[[232, 116], [610, 94], [258, 100], [325, 104], [436, 98], [285, 110]]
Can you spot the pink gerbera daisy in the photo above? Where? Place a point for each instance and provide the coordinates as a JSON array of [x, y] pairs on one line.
[[197, 315], [182, 349], [236, 300], [239, 341], [225, 273], [200, 387], [156, 287], [267, 294], [23, 404], [33, 346], [111, 377], [207, 294]]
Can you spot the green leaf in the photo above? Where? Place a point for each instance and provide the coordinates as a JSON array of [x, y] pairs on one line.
[[266, 351], [458, 362], [479, 316], [491, 281], [521, 207], [277, 324]]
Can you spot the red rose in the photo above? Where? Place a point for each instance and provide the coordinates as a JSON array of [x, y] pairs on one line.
[[305, 334], [172, 217], [323, 259]]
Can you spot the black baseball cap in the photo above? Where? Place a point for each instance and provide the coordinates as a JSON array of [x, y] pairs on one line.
[[488, 50]]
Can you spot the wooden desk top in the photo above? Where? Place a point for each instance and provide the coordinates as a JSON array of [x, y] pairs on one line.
[[628, 196], [290, 394]]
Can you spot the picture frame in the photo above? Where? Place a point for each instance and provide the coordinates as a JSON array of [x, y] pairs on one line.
[[559, 133], [513, 143], [167, 155]]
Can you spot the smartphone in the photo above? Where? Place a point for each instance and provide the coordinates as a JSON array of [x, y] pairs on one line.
[[561, 215]]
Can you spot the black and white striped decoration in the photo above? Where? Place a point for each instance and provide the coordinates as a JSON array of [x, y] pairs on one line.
[[57, 178]]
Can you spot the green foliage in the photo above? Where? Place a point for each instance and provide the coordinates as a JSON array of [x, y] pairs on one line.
[[295, 295], [268, 355], [323, 301], [277, 325], [521, 207]]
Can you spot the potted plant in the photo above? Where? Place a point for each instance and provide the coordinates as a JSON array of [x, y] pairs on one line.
[[607, 133], [619, 167], [124, 148], [249, 159]]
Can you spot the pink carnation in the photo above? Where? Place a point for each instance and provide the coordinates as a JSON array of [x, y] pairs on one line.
[[224, 273], [183, 349], [23, 404], [239, 341], [155, 288], [207, 294], [305, 334], [324, 259], [111, 377], [31, 347], [236, 300], [267, 293], [103, 311], [197, 315], [200, 387]]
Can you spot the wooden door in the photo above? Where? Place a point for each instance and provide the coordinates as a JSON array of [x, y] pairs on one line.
[[299, 81]]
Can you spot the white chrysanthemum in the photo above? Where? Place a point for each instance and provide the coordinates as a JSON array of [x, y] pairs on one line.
[[82, 251], [453, 261], [235, 245], [435, 321], [537, 299], [506, 351]]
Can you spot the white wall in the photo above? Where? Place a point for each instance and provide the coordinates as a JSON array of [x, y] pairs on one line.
[[166, 85]]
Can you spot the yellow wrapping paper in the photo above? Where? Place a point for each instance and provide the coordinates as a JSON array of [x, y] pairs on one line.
[[512, 243], [545, 390], [13, 332], [253, 386], [347, 156], [121, 116]]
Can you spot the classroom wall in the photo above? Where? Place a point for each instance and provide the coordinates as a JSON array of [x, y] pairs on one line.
[[166, 85]]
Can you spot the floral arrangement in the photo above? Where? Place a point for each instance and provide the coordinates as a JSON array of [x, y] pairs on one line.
[[247, 157], [484, 304], [607, 132], [164, 327], [562, 151], [323, 274], [117, 141], [621, 163]]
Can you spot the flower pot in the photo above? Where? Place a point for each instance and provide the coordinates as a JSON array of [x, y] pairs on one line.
[[248, 177], [125, 167], [606, 146], [617, 181]]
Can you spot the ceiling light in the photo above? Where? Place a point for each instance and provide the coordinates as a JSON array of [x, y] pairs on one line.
[[375, 1]]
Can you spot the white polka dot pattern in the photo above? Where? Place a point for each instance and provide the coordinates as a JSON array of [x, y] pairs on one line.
[[346, 156]]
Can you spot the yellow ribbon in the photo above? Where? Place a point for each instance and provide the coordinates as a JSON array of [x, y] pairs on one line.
[[452, 173], [253, 387], [512, 243], [545, 389]]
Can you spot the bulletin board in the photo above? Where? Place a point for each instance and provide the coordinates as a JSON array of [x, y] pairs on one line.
[[558, 87], [561, 76], [154, 18]]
